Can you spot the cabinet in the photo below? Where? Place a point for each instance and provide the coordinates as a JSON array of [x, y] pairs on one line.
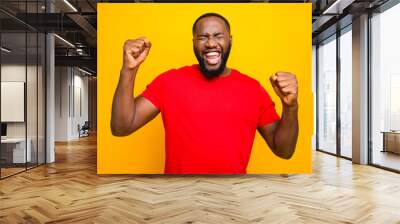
[[391, 141]]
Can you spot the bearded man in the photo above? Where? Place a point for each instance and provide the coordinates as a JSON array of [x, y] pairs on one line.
[[210, 112]]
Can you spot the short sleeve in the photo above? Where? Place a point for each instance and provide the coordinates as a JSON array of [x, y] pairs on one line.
[[153, 91], [268, 113]]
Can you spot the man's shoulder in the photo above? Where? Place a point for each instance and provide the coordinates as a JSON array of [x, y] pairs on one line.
[[176, 72], [246, 78]]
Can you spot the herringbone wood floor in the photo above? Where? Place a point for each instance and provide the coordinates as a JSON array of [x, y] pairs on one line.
[[69, 191]]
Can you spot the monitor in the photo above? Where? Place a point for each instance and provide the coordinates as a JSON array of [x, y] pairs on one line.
[[3, 129]]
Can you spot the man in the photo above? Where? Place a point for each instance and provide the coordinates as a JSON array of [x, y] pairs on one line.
[[210, 112]]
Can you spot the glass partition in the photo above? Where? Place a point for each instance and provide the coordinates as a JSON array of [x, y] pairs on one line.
[[346, 93], [327, 95], [22, 88], [14, 145]]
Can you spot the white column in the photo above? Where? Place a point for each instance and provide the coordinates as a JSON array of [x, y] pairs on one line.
[[50, 92], [360, 90], [50, 99]]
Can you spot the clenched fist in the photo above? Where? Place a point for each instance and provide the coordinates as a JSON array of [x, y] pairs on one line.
[[135, 51], [285, 86]]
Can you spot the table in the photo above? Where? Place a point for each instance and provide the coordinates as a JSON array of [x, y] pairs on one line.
[[15, 148]]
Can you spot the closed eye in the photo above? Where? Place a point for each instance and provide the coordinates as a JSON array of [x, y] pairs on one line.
[[202, 37]]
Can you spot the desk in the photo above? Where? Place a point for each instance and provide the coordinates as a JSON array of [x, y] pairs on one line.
[[15, 148], [391, 141]]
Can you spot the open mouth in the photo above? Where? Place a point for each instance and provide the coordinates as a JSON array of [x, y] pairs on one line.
[[212, 57]]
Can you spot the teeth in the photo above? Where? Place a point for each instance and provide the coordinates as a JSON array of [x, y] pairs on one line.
[[212, 54]]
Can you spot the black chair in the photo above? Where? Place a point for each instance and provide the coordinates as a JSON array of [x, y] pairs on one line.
[[84, 130]]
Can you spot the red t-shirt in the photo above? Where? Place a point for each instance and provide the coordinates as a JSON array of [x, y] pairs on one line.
[[209, 124]]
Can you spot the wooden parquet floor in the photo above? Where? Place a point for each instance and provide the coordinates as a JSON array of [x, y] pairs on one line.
[[70, 191]]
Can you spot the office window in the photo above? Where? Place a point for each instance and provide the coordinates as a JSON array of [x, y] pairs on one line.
[[14, 153], [385, 88], [327, 95], [22, 88], [346, 92], [314, 90]]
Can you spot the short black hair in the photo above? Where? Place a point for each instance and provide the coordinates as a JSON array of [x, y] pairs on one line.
[[211, 14]]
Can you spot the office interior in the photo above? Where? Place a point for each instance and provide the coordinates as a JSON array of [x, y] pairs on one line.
[[48, 82]]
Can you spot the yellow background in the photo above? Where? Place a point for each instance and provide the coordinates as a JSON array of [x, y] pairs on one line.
[[266, 38]]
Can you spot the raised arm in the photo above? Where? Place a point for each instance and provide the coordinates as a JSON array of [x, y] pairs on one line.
[[129, 113], [282, 136]]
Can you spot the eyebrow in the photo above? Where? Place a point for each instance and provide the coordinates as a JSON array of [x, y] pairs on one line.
[[214, 34]]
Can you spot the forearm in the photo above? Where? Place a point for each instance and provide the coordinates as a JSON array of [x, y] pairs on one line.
[[123, 107], [285, 137]]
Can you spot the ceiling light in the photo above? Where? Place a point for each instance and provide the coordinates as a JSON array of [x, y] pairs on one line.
[[5, 50], [64, 40], [70, 5], [337, 7], [84, 71]]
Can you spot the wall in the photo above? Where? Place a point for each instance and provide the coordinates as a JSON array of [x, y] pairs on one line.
[[144, 151], [80, 109], [92, 84], [15, 72], [71, 102], [61, 103], [33, 127]]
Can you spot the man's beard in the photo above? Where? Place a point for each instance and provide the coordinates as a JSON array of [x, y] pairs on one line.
[[210, 74]]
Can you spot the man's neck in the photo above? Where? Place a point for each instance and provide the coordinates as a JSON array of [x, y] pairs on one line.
[[227, 71]]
